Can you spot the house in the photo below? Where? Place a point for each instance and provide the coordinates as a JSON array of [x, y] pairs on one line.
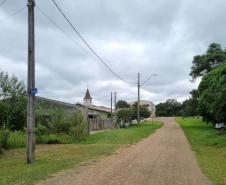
[[148, 104]]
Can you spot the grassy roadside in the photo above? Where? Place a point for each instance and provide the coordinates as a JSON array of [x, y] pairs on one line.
[[54, 158], [209, 148]]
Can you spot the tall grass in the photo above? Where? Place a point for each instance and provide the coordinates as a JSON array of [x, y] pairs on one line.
[[16, 139]]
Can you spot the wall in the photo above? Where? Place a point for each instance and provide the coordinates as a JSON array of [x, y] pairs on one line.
[[102, 124]]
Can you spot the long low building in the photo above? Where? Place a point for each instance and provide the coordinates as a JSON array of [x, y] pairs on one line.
[[148, 104]]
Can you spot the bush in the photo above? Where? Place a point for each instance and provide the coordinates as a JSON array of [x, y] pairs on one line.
[[40, 130], [4, 135], [17, 139]]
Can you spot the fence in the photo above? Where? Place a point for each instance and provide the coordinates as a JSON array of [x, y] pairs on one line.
[[102, 124]]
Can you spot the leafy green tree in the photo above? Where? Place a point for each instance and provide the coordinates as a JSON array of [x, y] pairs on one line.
[[189, 107], [122, 104], [202, 64], [12, 102], [124, 114], [144, 112], [212, 93], [169, 108]]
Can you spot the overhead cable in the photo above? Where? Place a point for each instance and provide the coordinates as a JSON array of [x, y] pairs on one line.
[[119, 93], [12, 14], [64, 32], [90, 46], [3, 2]]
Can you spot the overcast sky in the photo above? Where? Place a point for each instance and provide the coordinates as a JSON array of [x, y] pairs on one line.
[[147, 37]]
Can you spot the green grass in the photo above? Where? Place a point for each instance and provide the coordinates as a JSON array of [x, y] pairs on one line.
[[51, 159], [209, 148]]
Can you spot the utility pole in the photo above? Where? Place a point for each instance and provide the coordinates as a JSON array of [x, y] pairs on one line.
[[138, 107], [111, 104], [31, 85], [115, 104]]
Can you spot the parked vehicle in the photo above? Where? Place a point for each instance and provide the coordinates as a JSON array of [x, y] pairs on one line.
[[221, 126]]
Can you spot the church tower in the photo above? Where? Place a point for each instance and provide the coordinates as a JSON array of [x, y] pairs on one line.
[[87, 100]]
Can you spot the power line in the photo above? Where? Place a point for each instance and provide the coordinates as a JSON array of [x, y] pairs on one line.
[[64, 32], [89, 46], [3, 2], [119, 93], [13, 14]]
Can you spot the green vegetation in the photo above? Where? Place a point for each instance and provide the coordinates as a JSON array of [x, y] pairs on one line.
[[53, 126], [209, 146], [144, 112], [124, 114], [203, 64], [54, 158], [169, 108], [212, 91], [122, 104], [132, 110]]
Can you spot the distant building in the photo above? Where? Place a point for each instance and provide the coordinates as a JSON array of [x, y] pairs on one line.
[[96, 111], [148, 104], [88, 110]]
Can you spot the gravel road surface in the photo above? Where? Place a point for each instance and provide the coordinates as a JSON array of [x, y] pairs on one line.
[[164, 158]]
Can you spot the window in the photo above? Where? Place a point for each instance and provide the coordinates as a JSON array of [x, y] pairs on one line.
[[146, 105]]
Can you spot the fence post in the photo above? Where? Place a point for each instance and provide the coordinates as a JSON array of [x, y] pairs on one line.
[[89, 129]]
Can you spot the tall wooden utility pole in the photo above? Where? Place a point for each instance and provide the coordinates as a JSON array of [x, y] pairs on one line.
[[138, 101], [31, 85], [115, 104], [111, 104]]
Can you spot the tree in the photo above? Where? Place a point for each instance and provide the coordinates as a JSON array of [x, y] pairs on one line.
[[189, 107], [124, 114], [122, 104], [11, 87], [212, 93], [12, 102], [144, 112], [202, 64], [169, 108]]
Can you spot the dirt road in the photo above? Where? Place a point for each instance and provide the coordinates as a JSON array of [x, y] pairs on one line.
[[162, 159]]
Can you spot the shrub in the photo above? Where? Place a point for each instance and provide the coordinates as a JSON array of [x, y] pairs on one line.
[[4, 135], [17, 139], [40, 130]]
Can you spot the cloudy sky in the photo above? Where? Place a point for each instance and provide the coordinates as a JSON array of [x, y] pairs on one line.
[[147, 37]]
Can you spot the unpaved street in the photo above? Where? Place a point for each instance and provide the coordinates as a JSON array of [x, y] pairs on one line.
[[162, 159]]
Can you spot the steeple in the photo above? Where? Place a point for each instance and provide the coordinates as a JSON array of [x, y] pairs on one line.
[[87, 99], [87, 96]]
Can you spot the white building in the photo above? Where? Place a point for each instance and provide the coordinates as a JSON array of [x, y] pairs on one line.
[[148, 104]]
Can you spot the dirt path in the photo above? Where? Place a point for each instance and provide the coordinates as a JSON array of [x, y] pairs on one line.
[[162, 159]]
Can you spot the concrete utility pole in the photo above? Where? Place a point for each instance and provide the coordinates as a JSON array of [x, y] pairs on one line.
[[115, 104], [31, 85], [138, 107], [111, 104]]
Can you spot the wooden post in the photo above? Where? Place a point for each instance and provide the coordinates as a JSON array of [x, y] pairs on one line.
[[89, 126], [31, 85]]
